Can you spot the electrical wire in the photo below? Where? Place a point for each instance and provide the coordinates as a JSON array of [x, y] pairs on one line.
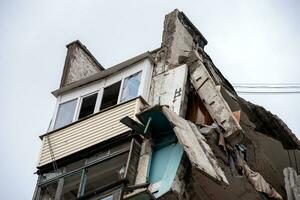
[[268, 88], [268, 92], [266, 83]]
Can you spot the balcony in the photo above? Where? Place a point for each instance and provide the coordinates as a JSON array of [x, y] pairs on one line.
[[87, 132]]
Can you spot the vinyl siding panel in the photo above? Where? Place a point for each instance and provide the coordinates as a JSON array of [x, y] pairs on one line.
[[86, 133]]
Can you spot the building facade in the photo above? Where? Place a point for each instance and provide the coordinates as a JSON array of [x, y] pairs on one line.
[[165, 124]]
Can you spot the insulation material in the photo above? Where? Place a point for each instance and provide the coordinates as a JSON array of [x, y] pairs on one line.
[[292, 183], [259, 183], [211, 96], [195, 146], [237, 115]]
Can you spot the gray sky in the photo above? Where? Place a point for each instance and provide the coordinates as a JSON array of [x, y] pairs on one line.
[[249, 41]]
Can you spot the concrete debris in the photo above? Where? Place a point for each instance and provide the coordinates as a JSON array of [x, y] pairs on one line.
[[270, 124], [211, 96], [292, 183], [259, 183], [195, 146]]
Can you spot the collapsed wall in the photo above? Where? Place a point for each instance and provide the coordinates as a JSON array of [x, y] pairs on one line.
[[270, 146]]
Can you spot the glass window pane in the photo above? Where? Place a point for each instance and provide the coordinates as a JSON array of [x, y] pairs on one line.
[[98, 156], [71, 187], [106, 173], [48, 191], [110, 197], [75, 165], [65, 113], [88, 105], [115, 195], [50, 175], [131, 87], [119, 147]]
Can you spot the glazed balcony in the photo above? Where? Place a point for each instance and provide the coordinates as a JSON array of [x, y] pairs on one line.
[[87, 132]]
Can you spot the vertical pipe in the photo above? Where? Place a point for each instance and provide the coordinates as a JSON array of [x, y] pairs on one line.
[[290, 162], [296, 162]]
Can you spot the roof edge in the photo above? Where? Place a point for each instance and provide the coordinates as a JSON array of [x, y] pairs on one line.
[[87, 52], [103, 73]]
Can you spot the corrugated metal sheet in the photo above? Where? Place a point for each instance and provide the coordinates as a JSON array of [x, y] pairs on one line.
[[87, 133]]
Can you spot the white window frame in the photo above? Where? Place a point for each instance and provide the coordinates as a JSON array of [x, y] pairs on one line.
[[122, 79], [78, 105], [145, 67], [57, 106], [107, 85], [77, 110], [122, 84]]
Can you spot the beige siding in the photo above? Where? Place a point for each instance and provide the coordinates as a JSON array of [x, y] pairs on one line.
[[86, 133]]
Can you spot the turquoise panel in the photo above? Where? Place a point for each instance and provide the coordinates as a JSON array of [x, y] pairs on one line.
[[159, 162], [164, 166]]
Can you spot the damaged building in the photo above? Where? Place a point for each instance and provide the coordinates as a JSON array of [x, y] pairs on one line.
[[165, 124]]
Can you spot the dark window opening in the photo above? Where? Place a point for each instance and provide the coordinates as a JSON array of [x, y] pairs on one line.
[[87, 105], [96, 177], [48, 192], [196, 110], [75, 165], [110, 95], [100, 155], [106, 173], [71, 187]]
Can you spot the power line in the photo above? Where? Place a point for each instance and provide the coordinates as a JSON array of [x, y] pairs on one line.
[[267, 86], [268, 92]]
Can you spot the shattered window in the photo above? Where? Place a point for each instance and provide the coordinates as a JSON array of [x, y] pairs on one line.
[[88, 105], [106, 173], [87, 177], [48, 191], [65, 113], [71, 186], [50, 175], [131, 87]]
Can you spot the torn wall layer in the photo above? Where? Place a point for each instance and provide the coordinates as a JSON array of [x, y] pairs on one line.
[[257, 123], [212, 97], [270, 124]]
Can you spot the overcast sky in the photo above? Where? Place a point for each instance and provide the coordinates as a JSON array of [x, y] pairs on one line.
[[249, 41]]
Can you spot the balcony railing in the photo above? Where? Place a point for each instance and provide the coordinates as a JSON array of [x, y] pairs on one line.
[[87, 132]]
